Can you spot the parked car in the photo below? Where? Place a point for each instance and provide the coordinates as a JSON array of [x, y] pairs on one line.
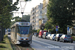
[[54, 37], [57, 37], [44, 35], [51, 36], [48, 36], [67, 38], [41, 33]]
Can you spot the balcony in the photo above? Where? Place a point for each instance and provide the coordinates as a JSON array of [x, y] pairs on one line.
[[40, 17]]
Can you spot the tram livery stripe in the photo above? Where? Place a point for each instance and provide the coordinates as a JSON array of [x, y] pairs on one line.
[[18, 34]]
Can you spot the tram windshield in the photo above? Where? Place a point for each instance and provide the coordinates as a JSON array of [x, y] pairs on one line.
[[24, 30]]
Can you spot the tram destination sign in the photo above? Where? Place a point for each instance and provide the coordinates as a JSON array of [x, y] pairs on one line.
[[24, 23]]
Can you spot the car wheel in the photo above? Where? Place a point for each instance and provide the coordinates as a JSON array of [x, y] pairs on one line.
[[60, 40], [71, 41], [63, 40], [56, 39]]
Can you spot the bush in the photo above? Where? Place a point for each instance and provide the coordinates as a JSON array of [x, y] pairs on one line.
[[38, 30], [34, 31], [73, 34], [50, 30], [5, 36], [73, 38]]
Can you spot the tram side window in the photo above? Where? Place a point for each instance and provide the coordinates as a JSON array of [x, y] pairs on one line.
[[13, 29], [18, 30], [30, 30]]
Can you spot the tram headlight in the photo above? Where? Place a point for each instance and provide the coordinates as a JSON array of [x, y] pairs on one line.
[[21, 38], [26, 39]]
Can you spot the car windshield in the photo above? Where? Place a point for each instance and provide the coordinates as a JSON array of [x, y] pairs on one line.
[[24, 30], [68, 35], [54, 34], [60, 35], [46, 33]]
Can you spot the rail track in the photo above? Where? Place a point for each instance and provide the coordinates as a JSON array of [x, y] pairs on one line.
[[23, 47], [20, 46]]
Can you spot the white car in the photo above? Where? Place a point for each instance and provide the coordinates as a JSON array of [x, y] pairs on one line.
[[48, 36], [51, 36]]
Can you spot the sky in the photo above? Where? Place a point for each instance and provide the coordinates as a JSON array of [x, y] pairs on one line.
[[27, 8]]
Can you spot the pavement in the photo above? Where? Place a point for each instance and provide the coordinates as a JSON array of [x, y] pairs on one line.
[[73, 41], [46, 44]]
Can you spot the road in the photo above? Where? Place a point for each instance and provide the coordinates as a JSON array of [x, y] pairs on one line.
[[46, 44]]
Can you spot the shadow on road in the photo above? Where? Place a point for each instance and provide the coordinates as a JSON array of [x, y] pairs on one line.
[[24, 45]]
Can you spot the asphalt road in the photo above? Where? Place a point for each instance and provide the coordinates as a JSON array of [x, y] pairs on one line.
[[46, 44]]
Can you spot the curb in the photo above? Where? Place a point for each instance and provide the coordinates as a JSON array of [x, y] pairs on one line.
[[13, 48], [33, 49]]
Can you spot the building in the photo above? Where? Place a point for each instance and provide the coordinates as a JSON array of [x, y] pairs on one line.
[[36, 17], [44, 10]]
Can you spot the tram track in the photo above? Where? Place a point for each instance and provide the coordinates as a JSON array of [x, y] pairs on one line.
[[20, 46], [23, 47]]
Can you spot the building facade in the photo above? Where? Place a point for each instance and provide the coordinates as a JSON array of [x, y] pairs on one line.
[[36, 17], [44, 10]]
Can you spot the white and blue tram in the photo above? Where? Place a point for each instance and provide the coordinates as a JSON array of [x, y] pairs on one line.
[[20, 33]]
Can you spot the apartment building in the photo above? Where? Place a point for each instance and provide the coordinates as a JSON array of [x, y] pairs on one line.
[[36, 17], [44, 10]]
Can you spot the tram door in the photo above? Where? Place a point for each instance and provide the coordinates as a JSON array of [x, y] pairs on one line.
[[15, 33]]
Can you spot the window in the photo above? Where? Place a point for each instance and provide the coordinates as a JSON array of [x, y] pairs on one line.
[[24, 30]]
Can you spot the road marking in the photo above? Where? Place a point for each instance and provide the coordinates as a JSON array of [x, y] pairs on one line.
[[42, 42]]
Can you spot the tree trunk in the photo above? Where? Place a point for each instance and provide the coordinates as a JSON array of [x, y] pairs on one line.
[[65, 29], [0, 33]]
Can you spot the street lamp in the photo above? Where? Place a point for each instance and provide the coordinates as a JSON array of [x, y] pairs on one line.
[[22, 6]]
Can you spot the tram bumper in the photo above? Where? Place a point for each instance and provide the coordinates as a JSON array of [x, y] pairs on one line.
[[24, 41]]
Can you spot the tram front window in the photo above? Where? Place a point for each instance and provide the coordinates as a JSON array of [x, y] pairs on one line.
[[24, 30]]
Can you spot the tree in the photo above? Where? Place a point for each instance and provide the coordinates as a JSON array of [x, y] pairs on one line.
[[27, 0], [6, 8], [42, 26], [26, 17], [49, 24], [61, 12], [17, 18]]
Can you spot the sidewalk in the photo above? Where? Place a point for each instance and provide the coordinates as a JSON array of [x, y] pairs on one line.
[[5, 45], [73, 41]]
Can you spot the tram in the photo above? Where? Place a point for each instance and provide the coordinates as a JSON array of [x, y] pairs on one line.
[[20, 33]]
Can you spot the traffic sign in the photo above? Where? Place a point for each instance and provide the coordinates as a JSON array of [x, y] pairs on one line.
[[56, 26], [73, 27], [56, 29], [67, 28]]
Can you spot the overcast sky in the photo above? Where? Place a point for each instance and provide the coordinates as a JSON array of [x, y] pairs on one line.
[[28, 7]]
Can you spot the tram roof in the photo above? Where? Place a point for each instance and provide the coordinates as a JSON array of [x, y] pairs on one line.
[[21, 24]]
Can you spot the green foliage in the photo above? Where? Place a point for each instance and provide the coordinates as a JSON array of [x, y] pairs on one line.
[[50, 30], [17, 18], [73, 38], [26, 17], [26, 0], [57, 9], [42, 26], [49, 24], [6, 7], [38, 30], [45, 29], [34, 30]]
